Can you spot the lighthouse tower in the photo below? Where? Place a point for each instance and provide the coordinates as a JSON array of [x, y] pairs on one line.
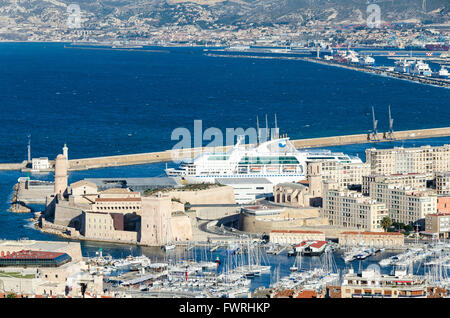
[[66, 151], [60, 175]]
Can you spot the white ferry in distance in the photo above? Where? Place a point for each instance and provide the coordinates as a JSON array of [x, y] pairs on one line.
[[276, 160]]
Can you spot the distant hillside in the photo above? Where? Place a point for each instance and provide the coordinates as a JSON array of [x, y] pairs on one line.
[[214, 13]]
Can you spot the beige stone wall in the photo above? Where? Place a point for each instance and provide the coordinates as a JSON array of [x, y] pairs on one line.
[[292, 219], [101, 226], [181, 228], [177, 206], [215, 213], [295, 237], [83, 189], [372, 239], [65, 213]]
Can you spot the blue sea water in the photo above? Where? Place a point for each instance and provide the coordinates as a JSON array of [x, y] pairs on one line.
[[116, 102]]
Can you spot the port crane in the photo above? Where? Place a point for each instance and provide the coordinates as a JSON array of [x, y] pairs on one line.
[[374, 135], [390, 133]]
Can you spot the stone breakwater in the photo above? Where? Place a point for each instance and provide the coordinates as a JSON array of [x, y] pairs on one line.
[[170, 155]]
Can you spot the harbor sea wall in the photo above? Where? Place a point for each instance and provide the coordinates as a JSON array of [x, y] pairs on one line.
[[11, 166], [364, 138], [291, 219], [170, 155], [178, 154]]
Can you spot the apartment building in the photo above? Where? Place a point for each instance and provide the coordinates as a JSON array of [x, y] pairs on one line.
[[425, 159], [405, 204], [413, 180], [344, 174], [438, 224], [350, 209], [443, 183]]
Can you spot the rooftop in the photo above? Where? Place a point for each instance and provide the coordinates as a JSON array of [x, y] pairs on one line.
[[28, 254], [296, 231], [298, 186], [82, 183], [373, 233], [117, 199]]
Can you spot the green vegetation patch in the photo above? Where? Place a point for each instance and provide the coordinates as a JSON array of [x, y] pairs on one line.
[[16, 275]]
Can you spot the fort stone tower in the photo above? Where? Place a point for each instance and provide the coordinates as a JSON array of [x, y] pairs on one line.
[[60, 174], [155, 220]]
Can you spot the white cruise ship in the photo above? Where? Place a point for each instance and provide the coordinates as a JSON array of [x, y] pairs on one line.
[[276, 160]]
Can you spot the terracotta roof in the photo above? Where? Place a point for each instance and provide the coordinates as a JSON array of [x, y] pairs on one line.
[[439, 214], [307, 294], [318, 244], [296, 231], [315, 244], [372, 233], [285, 293], [117, 190], [23, 254]]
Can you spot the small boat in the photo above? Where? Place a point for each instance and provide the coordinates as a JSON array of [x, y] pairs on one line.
[[249, 274], [291, 253], [293, 268], [169, 247], [218, 261]]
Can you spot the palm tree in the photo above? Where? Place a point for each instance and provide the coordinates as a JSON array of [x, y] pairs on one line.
[[386, 222]]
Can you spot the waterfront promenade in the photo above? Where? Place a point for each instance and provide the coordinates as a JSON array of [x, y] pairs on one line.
[[170, 155]]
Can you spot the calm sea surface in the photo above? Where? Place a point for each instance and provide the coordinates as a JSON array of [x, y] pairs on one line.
[[104, 102]]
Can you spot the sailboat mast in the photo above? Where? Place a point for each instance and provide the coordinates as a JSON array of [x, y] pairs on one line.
[[258, 131], [276, 128], [267, 129]]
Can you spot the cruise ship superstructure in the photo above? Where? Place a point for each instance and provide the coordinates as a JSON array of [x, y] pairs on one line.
[[277, 160]]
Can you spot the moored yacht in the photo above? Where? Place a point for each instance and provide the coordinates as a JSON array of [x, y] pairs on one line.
[[403, 65], [443, 73], [420, 68]]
